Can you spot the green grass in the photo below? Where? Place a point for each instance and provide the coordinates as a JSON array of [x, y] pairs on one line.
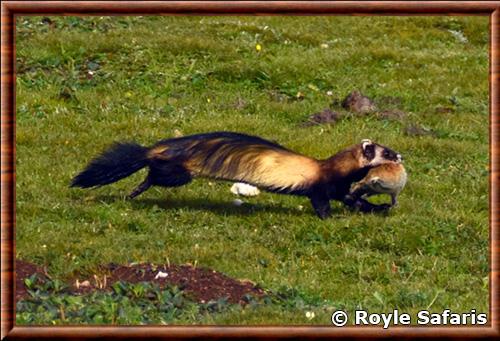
[[155, 75]]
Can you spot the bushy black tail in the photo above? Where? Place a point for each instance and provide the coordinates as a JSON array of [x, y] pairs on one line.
[[118, 162]]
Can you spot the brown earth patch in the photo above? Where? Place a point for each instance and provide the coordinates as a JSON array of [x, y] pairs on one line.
[[326, 116], [417, 130], [202, 284], [392, 114], [23, 271]]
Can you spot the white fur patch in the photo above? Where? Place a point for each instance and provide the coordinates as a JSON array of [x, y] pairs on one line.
[[240, 188], [379, 157]]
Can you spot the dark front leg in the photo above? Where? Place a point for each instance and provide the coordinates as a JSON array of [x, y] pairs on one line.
[[394, 200], [365, 206], [321, 205]]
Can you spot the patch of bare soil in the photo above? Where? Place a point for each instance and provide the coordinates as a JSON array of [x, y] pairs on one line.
[[392, 114], [358, 104], [417, 130], [202, 284], [326, 116], [23, 271]]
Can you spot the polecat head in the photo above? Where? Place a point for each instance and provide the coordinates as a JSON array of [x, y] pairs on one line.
[[375, 154]]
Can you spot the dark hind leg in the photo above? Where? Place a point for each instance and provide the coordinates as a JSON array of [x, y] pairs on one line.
[[164, 174], [143, 186], [169, 174], [321, 205]]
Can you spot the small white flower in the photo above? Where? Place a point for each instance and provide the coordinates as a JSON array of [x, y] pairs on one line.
[[161, 274], [324, 46], [329, 93], [310, 315]]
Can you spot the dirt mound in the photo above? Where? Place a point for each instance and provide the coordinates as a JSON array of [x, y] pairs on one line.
[[202, 284], [326, 116], [358, 103]]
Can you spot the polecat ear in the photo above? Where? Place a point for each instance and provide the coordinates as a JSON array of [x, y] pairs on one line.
[[365, 143]]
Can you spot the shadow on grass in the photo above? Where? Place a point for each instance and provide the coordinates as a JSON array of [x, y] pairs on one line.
[[198, 204]]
